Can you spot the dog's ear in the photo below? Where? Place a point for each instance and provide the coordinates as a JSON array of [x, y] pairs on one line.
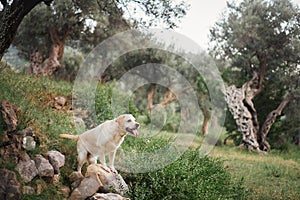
[[120, 120]]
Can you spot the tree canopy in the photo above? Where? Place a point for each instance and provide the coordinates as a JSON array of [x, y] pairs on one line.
[[11, 15], [46, 29], [264, 37]]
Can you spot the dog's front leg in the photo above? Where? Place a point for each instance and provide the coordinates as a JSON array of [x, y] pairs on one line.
[[103, 163], [111, 161]]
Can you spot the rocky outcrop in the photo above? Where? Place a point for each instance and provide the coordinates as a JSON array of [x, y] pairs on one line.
[[96, 180], [13, 143], [29, 168]]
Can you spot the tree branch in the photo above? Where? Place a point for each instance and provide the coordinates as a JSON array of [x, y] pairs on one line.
[[262, 57], [270, 121]]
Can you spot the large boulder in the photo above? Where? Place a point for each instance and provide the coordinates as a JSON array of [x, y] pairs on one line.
[[98, 179], [87, 188], [110, 182]]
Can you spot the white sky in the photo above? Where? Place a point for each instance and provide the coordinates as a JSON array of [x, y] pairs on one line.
[[201, 16]]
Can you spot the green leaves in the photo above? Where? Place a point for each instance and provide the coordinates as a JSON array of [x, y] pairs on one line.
[[190, 177]]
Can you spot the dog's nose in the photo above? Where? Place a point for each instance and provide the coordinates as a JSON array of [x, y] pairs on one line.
[[137, 125]]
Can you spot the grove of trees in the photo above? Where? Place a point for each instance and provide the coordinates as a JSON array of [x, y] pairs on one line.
[[256, 45], [45, 30]]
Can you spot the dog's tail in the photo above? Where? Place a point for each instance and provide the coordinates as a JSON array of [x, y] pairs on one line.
[[72, 137]]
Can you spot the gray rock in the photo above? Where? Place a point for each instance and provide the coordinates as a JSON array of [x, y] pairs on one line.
[[87, 188], [27, 169], [28, 143], [75, 179], [43, 166], [111, 182], [9, 186], [108, 196], [56, 159]]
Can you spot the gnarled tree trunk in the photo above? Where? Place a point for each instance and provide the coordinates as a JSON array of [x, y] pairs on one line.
[[53, 62], [205, 108], [170, 97], [240, 104]]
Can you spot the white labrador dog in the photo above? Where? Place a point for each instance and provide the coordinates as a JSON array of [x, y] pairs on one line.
[[103, 140]]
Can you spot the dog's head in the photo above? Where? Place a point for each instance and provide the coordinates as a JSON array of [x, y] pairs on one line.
[[127, 123]]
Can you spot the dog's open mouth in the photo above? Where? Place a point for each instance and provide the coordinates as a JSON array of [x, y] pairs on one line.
[[132, 131]]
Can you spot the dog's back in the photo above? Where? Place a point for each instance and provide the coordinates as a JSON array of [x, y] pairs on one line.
[[99, 138]]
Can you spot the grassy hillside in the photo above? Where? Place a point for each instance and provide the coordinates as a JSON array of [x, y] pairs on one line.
[[275, 176], [34, 98], [272, 176]]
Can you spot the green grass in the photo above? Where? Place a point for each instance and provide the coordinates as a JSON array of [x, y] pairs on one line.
[[269, 176], [33, 97]]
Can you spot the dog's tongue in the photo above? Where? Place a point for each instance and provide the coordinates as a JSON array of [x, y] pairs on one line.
[[135, 132]]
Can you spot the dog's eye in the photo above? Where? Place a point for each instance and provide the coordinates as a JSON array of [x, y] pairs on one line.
[[129, 120]]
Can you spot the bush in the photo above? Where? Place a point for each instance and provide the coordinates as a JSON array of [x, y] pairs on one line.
[[190, 177]]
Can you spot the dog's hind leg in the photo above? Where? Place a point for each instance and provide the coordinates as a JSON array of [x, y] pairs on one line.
[[82, 158]]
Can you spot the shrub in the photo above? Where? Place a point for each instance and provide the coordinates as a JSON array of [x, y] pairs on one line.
[[190, 177]]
